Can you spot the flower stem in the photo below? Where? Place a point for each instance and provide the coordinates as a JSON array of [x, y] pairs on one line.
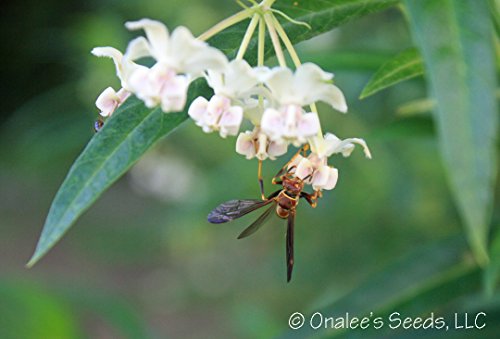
[[261, 42], [261, 45], [235, 18], [295, 58], [275, 39], [286, 41], [247, 37], [228, 22]]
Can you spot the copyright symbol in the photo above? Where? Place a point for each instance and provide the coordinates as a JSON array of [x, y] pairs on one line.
[[296, 321]]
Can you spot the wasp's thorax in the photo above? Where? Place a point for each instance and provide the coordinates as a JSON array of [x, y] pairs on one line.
[[292, 185], [288, 198]]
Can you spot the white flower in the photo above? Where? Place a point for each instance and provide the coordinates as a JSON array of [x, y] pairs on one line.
[[290, 124], [160, 85], [109, 100], [256, 144], [237, 80], [179, 51], [180, 58], [315, 171], [216, 115], [331, 144], [306, 86]]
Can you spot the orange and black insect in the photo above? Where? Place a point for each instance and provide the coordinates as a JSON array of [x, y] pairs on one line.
[[283, 201]]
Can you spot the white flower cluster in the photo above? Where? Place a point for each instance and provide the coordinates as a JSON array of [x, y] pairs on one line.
[[179, 59], [273, 100]]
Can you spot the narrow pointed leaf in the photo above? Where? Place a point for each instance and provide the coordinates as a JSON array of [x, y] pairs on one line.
[[406, 65], [455, 40], [131, 130]]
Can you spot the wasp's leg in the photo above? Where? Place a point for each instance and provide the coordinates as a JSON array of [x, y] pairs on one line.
[[312, 199], [261, 181], [305, 148], [284, 169]]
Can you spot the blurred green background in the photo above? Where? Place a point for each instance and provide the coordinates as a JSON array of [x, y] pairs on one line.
[[143, 262]]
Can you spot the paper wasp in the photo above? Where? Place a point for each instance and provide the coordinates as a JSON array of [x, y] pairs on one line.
[[283, 201]]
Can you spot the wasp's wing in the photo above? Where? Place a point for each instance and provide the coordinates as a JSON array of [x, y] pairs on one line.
[[257, 223], [289, 244], [234, 209]]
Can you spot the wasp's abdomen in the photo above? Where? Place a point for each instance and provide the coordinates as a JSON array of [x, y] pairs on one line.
[[285, 204]]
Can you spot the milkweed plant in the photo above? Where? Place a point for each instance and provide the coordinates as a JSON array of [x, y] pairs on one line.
[[280, 103]]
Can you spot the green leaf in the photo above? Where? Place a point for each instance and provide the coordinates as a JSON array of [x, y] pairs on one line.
[[432, 296], [406, 65], [130, 132], [28, 310], [133, 129], [455, 40], [416, 107], [110, 307], [406, 128], [492, 272], [399, 286], [322, 16]]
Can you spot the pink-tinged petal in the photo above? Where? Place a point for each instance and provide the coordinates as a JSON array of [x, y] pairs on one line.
[[272, 123], [320, 177], [332, 179], [230, 121], [304, 169], [292, 115], [174, 94], [123, 95], [156, 33], [197, 110], [316, 161], [262, 141], [276, 149], [107, 102], [245, 145], [308, 125], [218, 104], [139, 83]]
